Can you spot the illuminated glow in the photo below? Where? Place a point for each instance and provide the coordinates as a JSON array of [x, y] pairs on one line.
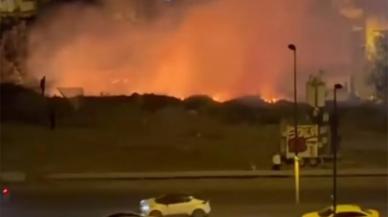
[[145, 208], [348, 9], [270, 100], [5, 191], [223, 49], [219, 97], [373, 26]]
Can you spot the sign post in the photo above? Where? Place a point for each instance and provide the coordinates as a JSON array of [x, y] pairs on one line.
[[297, 179]]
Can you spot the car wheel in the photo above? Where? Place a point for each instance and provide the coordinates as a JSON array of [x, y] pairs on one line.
[[198, 213], [155, 213]]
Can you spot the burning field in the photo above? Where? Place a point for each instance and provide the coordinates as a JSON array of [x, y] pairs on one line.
[[221, 48]]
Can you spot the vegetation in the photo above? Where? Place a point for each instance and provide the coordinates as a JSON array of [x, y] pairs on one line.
[[151, 132]]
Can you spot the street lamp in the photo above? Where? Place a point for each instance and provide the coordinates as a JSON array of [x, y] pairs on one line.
[[334, 142], [292, 47]]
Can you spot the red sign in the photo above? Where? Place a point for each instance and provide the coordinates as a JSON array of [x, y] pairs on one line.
[[299, 146]]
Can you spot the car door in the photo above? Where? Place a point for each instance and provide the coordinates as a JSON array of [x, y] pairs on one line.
[[178, 205]]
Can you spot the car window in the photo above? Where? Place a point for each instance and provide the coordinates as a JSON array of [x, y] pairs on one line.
[[173, 199], [184, 198], [163, 200], [170, 199]]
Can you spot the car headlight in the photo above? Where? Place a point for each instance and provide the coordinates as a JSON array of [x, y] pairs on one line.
[[144, 208]]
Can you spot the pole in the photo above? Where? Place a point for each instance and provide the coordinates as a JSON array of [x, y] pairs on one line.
[[297, 179], [386, 97], [335, 145], [296, 159], [335, 152], [2, 77], [295, 106]]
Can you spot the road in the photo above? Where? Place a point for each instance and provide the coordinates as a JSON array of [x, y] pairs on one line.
[[260, 197]]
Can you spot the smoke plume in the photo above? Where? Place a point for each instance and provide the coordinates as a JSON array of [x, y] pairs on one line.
[[222, 48]]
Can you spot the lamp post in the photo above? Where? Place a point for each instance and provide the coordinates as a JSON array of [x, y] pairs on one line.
[[335, 144], [292, 47]]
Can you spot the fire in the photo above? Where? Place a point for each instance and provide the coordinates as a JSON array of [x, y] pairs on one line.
[[220, 98], [223, 49], [270, 100], [373, 27]]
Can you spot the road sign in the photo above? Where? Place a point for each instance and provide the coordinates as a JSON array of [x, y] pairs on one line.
[[307, 143], [297, 145]]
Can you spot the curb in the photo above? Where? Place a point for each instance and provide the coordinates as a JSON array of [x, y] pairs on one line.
[[215, 174], [13, 177]]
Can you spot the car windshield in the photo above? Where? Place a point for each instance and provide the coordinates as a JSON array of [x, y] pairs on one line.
[[221, 108]]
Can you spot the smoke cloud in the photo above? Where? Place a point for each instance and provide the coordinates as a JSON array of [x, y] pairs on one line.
[[222, 48]]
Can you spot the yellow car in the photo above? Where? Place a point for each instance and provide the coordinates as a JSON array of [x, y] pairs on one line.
[[344, 210]]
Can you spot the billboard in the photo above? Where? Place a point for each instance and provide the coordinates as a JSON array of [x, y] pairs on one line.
[[307, 143]]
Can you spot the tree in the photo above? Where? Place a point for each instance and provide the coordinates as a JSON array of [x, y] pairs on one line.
[[379, 69]]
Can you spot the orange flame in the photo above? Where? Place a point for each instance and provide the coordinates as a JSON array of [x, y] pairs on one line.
[[270, 100], [222, 48]]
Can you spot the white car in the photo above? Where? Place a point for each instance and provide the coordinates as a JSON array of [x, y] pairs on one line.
[[344, 210], [175, 204]]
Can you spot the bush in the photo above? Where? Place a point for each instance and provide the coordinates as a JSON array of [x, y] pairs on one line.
[[22, 104]]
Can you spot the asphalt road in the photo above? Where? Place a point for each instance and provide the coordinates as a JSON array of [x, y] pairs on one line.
[[262, 197]]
